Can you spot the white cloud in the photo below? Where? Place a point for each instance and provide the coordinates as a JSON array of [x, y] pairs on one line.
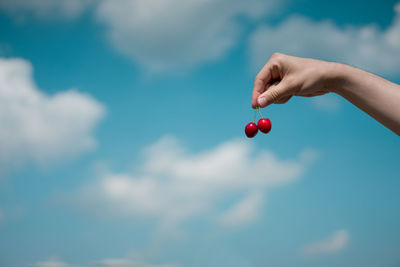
[[40, 127], [52, 263], [173, 34], [174, 185], [45, 9], [335, 243], [160, 35], [103, 263], [368, 47], [245, 211], [168, 35], [128, 263], [327, 102]]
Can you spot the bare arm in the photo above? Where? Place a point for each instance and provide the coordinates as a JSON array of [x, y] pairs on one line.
[[286, 76]]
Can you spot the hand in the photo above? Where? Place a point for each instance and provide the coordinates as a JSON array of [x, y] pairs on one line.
[[285, 76]]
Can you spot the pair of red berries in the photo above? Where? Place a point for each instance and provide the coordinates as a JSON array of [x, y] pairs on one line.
[[264, 125]]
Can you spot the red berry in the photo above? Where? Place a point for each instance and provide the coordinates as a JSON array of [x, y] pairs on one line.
[[251, 129], [264, 125]]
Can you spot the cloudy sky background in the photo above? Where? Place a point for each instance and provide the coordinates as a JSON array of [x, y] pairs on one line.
[[122, 143]]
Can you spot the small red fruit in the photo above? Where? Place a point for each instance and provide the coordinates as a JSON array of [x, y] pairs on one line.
[[264, 125], [251, 129]]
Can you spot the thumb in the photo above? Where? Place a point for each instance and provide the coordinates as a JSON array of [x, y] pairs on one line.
[[272, 94]]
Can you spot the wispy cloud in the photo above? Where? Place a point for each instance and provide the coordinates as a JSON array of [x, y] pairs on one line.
[[244, 211], [191, 33], [52, 262], [368, 47], [121, 262], [173, 184], [40, 127], [334, 243], [196, 32], [327, 102], [128, 263]]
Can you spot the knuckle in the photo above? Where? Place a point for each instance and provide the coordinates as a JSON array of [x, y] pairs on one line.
[[275, 67], [277, 56], [274, 96], [259, 79]]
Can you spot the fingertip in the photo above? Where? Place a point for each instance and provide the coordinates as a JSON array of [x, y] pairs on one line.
[[254, 98], [254, 103]]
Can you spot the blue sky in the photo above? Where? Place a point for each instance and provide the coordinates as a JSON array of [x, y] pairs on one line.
[[122, 141]]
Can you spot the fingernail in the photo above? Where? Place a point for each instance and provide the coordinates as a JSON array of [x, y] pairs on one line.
[[262, 101]]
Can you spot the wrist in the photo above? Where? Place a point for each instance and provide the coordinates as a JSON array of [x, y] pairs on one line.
[[335, 77]]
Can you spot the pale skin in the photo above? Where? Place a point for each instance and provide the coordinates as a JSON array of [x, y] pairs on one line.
[[285, 76]]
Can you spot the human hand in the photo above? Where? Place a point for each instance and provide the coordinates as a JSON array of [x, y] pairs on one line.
[[285, 76]]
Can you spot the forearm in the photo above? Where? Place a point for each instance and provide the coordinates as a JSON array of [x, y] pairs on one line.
[[376, 96]]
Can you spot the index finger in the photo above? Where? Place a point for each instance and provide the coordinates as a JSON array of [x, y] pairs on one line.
[[260, 83]]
